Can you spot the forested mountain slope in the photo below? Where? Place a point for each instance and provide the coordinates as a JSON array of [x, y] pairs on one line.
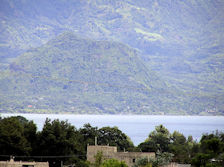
[[73, 74]]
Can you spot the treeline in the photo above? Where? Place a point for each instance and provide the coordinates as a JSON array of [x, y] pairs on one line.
[[60, 142]]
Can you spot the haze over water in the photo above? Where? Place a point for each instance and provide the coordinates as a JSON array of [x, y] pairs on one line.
[[137, 127]]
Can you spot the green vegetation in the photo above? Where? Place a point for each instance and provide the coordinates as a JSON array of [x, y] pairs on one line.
[[101, 162], [71, 74], [98, 159], [208, 152], [161, 159], [16, 136], [59, 141], [113, 163]]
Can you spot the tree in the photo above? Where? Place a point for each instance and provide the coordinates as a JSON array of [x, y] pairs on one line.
[[210, 152], [13, 137], [179, 147], [114, 137], [163, 158], [200, 159], [59, 138], [88, 134], [158, 140], [211, 144], [30, 133], [148, 146]]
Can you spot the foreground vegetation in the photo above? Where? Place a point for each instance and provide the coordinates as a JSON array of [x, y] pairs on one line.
[[59, 141]]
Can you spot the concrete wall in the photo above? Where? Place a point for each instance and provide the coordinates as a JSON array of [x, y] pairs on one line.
[[13, 163], [111, 152], [106, 150], [177, 165]]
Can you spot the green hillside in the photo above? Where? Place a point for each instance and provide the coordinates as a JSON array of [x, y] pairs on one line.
[[77, 75], [72, 74]]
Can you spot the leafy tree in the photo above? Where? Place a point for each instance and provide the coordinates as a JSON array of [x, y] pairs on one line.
[[163, 158], [87, 136], [179, 147], [200, 159], [14, 137], [148, 146], [211, 144], [210, 152], [59, 138], [89, 133], [30, 133], [113, 163], [158, 140], [194, 149], [114, 137]]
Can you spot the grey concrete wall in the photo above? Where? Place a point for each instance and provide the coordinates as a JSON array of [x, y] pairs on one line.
[[12, 163]]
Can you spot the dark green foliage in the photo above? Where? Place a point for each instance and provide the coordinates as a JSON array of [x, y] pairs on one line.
[[158, 140], [180, 147], [210, 152], [17, 136], [211, 144], [148, 146], [105, 135], [30, 133], [59, 138], [201, 159], [88, 134], [114, 137]]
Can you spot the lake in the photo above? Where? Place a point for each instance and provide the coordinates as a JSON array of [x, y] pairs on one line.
[[137, 127]]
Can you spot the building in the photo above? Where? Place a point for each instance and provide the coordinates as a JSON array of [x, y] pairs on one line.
[[111, 152], [13, 163]]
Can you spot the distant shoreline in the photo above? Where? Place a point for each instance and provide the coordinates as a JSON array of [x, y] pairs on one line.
[[70, 113]]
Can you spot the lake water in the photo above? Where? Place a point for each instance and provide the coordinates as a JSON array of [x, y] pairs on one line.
[[137, 127]]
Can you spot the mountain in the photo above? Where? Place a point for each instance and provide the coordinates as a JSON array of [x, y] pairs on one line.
[[73, 74], [182, 41]]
